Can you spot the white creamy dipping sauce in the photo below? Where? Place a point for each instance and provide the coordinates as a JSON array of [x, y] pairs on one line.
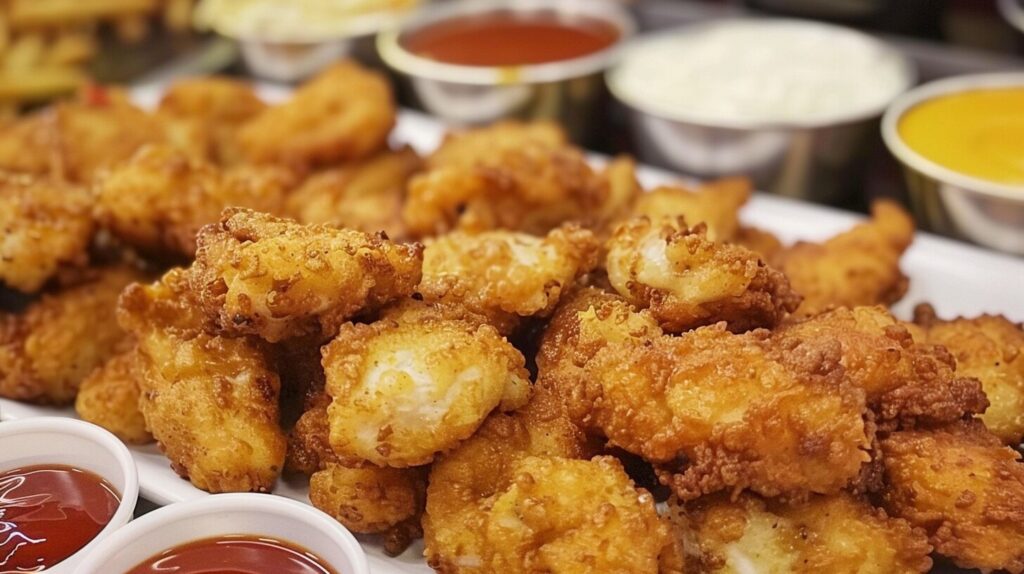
[[743, 73]]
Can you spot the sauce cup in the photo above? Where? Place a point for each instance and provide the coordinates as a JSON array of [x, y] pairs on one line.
[[225, 514], [78, 444]]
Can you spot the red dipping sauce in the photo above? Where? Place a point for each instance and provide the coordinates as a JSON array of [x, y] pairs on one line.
[[510, 38], [49, 512], [235, 554]]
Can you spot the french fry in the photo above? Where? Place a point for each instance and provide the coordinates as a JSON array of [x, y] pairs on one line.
[[39, 83], [71, 47], [42, 13], [25, 52]]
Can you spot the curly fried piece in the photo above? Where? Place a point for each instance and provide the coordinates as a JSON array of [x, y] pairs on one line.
[[838, 533], [965, 488], [344, 113], [990, 348], [50, 348], [109, 397], [406, 388], [210, 401], [160, 198], [688, 281], [368, 499], [47, 226], [366, 196], [716, 204], [258, 274], [506, 275], [857, 267], [906, 383]]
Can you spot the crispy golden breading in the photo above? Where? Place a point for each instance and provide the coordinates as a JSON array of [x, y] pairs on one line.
[[905, 382], [309, 447], [368, 498], [759, 241], [963, 486], [515, 176], [623, 189], [109, 397], [504, 274], [857, 267], [48, 349], [687, 280], [258, 274], [28, 144], [990, 348], [716, 204], [837, 534], [160, 198], [47, 226], [344, 113], [210, 401], [407, 388], [366, 196]]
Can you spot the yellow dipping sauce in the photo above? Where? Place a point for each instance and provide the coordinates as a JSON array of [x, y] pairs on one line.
[[978, 133]]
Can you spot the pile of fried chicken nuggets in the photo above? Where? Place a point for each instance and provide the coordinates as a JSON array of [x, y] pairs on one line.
[[475, 346]]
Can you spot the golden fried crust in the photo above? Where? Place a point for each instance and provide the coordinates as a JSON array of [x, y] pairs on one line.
[[716, 204], [47, 226], [965, 488], [857, 267], [906, 383], [405, 389], [28, 144], [160, 198], [623, 190], [688, 281], [366, 196], [109, 397], [309, 447], [344, 113], [837, 533], [210, 401], [990, 348], [46, 351], [762, 242], [258, 274], [368, 499]]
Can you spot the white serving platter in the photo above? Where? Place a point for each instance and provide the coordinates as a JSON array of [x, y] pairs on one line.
[[958, 279]]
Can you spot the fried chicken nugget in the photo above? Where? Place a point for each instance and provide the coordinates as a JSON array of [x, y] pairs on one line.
[[407, 388], [50, 348], [716, 204], [990, 348], [857, 267], [47, 226], [762, 242], [262, 275], [344, 113], [687, 280], [210, 401], [368, 499], [109, 397], [837, 533], [965, 488]]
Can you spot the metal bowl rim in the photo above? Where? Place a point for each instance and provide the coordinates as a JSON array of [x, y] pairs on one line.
[[358, 27], [946, 86]]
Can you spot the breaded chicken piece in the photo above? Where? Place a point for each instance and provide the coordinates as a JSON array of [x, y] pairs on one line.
[[857, 267], [506, 275], [837, 534], [52, 346], [368, 499], [991, 349], [623, 190], [262, 275], [407, 388], [109, 397], [716, 204], [906, 383], [965, 488], [309, 446], [687, 280], [210, 401], [366, 196], [344, 113], [47, 227], [515, 176], [762, 242], [28, 145]]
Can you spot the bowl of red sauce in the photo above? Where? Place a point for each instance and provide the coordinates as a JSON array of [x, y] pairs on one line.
[[230, 534], [65, 485], [476, 62]]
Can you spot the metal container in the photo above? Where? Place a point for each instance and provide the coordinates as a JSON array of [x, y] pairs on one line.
[[949, 202], [812, 160], [567, 91]]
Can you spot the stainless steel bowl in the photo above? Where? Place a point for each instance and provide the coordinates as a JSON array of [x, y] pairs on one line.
[[813, 160], [566, 91], [949, 202]]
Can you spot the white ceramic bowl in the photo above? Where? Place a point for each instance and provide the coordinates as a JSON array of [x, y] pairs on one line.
[[223, 514], [79, 444]]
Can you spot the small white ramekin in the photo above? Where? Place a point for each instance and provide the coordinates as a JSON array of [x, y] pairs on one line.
[[52, 440], [223, 514]]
